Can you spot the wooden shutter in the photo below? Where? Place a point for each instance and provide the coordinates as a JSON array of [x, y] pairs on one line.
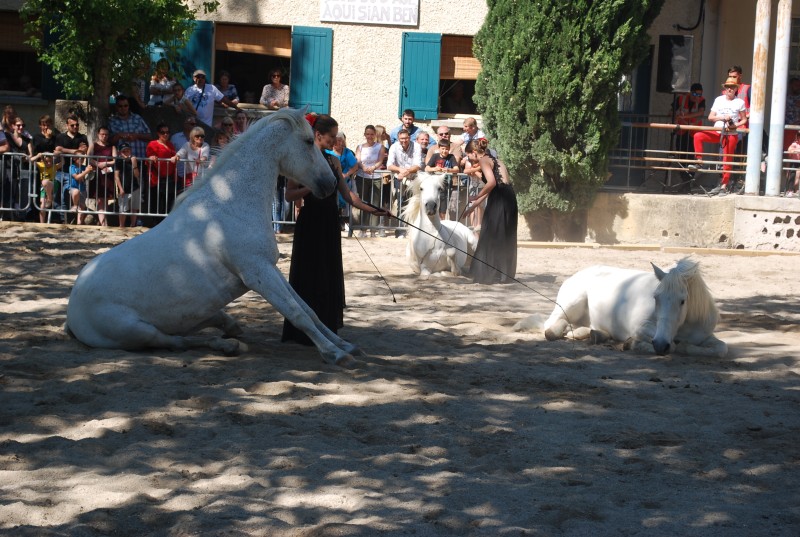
[[312, 58], [419, 74]]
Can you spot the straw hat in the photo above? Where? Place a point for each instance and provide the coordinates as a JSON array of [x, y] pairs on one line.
[[731, 81]]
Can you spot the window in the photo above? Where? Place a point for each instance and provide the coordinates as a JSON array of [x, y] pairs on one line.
[[459, 71], [438, 75], [21, 74], [249, 53], [794, 50]]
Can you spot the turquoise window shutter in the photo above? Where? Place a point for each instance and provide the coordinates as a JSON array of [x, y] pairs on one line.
[[197, 54], [419, 74], [312, 59]]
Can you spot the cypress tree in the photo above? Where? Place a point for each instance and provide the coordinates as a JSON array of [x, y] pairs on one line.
[[551, 72]]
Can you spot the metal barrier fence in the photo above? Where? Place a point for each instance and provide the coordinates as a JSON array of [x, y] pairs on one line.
[[64, 188], [656, 156], [390, 193]]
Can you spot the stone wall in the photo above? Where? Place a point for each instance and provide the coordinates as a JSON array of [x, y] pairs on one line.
[[749, 222]]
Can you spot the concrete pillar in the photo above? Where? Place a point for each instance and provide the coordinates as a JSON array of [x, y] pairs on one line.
[[780, 73], [758, 97]]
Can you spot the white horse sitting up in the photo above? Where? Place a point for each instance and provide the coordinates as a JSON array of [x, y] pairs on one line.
[[657, 311], [442, 245], [159, 287]]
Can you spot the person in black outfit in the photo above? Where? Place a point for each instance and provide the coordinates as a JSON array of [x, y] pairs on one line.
[[316, 271], [496, 254]]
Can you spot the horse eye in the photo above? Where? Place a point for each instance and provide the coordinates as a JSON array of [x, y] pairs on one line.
[[683, 302]]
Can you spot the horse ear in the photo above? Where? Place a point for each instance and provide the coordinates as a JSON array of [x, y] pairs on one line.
[[659, 273]]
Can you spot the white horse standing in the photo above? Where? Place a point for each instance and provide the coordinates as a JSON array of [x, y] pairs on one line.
[[217, 243], [657, 312], [444, 244]]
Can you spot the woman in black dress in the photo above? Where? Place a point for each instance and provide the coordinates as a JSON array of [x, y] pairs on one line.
[[316, 272], [496, 254]]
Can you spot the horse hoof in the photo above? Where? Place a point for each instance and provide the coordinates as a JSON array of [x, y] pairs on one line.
[[551, 336], [347, 362], [232, 347]]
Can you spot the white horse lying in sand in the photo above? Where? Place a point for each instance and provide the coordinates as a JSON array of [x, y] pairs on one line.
[[442, 244], [657, 311], [159, 287]]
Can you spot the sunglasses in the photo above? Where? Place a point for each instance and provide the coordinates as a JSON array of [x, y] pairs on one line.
[[19, 125], [200, 76], [163, 132], [199, 135], [443, 133], [227, 124], [276, 76], [72, 124]]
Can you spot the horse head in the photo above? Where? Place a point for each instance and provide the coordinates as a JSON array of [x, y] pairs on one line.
[[428, 187], [291, 140], [672, 298]]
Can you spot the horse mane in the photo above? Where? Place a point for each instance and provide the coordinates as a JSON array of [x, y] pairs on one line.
[[412, 208], [236, 146], [700, 306]]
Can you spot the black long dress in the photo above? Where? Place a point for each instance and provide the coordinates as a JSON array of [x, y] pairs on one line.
[[497, 245], [316, 271]]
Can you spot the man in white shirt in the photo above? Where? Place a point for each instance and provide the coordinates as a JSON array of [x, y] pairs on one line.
[[203, 96], [404, 160]]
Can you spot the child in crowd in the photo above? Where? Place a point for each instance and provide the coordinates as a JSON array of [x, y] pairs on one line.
[[79, 172], [180, 102], [48, 169], [126, 177], [444, 162]]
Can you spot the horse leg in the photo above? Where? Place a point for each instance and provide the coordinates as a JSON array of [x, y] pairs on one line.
[[132, 333], [581, 332], [453, 262], [597, 336], [268, 281], [568, 310], [224, 322]]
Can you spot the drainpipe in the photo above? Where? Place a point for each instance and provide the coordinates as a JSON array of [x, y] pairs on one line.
[[783, 30], [758, 99]]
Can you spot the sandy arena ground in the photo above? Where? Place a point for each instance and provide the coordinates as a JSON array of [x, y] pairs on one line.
[[454, 424]]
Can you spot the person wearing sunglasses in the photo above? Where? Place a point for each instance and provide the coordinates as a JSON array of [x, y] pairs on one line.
[[690, 108], [195, 156], [275, 95]]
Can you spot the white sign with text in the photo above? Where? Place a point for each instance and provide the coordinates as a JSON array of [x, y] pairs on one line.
[[386, 12]]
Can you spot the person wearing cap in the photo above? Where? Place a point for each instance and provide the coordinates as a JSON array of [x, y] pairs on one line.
[[203, 96], [728, 113], [689, 110]]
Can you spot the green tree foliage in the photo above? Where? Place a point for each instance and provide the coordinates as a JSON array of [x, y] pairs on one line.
[[96, 46], [551, 73]]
